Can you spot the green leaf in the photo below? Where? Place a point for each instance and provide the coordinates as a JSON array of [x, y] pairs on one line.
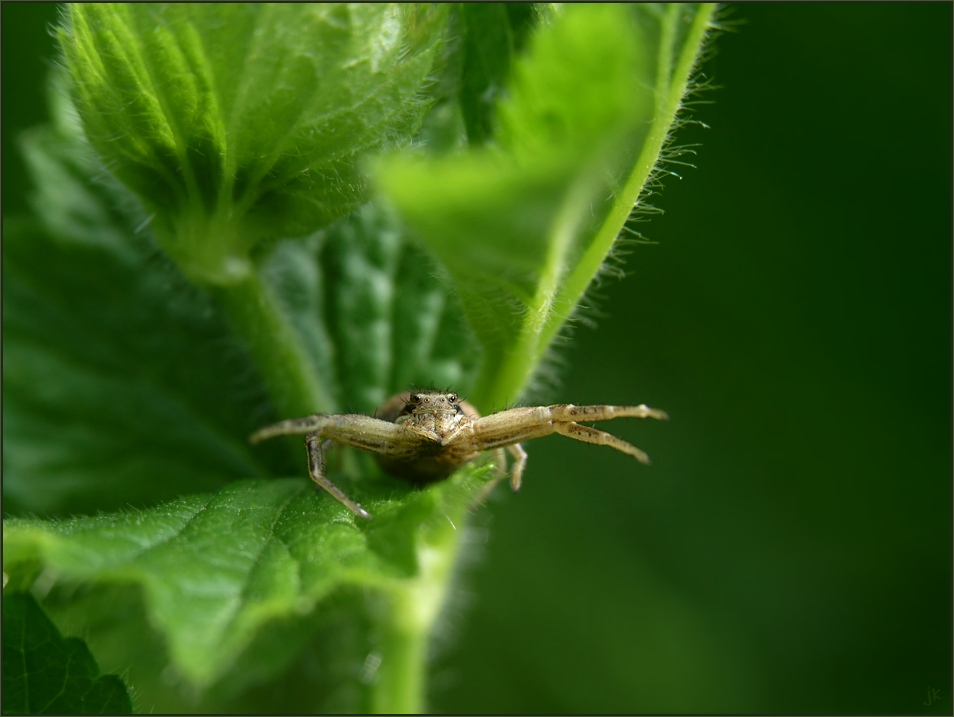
[[236, 122], [525, 224], [101, 409], [124, 387], [392, 323], [216, 569], [43, 673], [493, 33], [132, 381]]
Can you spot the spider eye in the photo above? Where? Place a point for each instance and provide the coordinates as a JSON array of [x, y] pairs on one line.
[[414, 398], [452, 397]]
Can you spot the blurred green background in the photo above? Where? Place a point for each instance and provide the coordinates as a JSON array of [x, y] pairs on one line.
[[790, 548]]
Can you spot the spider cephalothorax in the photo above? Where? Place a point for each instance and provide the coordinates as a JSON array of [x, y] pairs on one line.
[[425, 436]]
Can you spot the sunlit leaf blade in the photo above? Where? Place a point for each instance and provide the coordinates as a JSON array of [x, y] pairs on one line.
[[524, 225], [216, 569], [234, 122], [43, 673]]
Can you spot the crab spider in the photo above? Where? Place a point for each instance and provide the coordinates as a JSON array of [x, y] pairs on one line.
[[425, 436]]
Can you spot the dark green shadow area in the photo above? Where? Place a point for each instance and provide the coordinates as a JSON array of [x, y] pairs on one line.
[[43, 673]]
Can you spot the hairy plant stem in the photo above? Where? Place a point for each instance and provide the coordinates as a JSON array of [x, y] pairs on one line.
[[502, 381], [289, 373], [406, 620], [405, 611], [671, 84], [399, 683]]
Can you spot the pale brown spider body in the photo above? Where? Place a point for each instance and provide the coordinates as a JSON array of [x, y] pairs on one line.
[[424, 436], [437, 424]]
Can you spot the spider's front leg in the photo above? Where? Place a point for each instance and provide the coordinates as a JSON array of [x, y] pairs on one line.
[[364, 432], [316, 469], [510, 428]]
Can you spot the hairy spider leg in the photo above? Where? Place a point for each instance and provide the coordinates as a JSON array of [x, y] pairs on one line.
[[600, 438], [355, 430], [291, 427], [510, 428], [519, 463], [517, 425], [568, 411], [316, 469]]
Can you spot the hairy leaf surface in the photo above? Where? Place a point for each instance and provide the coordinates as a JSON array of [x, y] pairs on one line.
[[240, 121], [217, 568], [525, 222]]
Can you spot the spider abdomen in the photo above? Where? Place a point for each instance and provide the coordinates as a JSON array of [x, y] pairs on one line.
[[433, 462]]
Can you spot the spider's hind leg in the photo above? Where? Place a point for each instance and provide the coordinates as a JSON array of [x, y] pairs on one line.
[[520, 462], [500, 470], [500, 463], [316, 469]]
